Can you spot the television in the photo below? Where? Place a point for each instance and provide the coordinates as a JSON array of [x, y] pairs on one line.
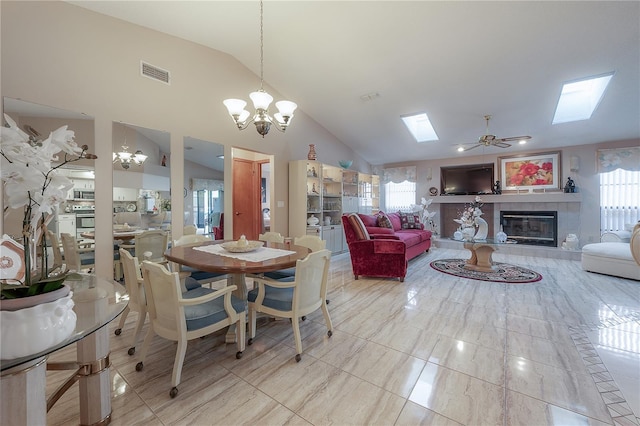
[[467, 180]]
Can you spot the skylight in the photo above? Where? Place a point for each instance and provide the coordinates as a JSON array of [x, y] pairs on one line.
[[420, 127], [580, 98]]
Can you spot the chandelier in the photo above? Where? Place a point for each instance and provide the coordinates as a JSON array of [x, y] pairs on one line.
[[261, 101], [125, 158]]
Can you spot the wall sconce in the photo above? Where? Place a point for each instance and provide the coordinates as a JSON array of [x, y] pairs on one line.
[[574, 163]]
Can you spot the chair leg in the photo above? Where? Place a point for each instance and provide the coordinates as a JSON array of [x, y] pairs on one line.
[[181, 351], [142, 316], [123, 318], [296, 334], [327, 319], [241, 326], [145, 348], [252, 322]]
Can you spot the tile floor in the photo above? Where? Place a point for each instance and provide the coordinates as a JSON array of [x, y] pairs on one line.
[[435, 349]]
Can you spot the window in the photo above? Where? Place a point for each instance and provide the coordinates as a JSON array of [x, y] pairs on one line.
[[399, 196], [619, 199]]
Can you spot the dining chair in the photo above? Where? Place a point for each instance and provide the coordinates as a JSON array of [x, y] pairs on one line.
[[55, 248], [202, 277], [189, 230], [76, 258], [271, 237], [182, 317], [293, 299], [137, 302], [150, 245], [312, 242]]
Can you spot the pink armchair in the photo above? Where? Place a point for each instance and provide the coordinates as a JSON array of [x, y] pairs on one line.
[[377, 256]]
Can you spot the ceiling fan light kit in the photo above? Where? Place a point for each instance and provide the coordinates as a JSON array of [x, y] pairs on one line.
[[492, 140]]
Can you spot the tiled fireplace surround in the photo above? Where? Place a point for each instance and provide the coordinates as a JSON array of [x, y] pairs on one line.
[[567, 206]]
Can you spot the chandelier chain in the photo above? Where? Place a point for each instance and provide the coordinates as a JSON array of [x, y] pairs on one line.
[[261, 46]]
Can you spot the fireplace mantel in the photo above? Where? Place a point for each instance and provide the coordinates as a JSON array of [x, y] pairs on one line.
[[536, 197]]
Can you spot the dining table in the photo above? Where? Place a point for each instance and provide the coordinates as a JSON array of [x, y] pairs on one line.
[[210, 256]]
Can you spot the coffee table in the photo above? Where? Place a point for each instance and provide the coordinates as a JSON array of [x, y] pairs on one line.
[[481, 252]]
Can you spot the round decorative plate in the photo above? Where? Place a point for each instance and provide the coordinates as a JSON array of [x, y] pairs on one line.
[[233, 247], [131, 207], [433, 190]]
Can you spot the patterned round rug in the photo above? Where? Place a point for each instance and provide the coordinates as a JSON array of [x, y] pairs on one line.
[[502, 273]]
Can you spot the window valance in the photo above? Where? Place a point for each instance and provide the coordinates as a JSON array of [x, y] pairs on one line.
[[608, 160], [208, 184], [399, 174]]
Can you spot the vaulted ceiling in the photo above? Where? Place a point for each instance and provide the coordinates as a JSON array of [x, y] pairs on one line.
[[455, 60]]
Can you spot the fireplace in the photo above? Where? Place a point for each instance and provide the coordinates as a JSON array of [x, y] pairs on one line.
[[538, 228]]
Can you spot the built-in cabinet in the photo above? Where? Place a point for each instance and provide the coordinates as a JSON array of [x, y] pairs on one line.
[[67, 224], [324, 192], [83, 183], [125, 194]]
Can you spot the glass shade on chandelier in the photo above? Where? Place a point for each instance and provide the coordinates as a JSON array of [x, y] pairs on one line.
[[125, 158], [261, 101]]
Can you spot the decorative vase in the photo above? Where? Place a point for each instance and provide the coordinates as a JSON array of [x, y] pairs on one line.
[[327, 220], [29, 330], [468, 233], [483, 229], [501, 236], [312, 220], [312, 153], [457, 235]]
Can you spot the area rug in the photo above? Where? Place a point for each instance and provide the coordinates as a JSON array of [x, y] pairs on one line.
[[502, 273]]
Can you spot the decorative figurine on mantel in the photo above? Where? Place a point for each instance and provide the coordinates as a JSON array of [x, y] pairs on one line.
[[496, 188], [570, 186]]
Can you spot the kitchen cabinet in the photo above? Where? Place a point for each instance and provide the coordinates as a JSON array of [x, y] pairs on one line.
[[125, 194], [83, 183], [333, 236], [67, 224]]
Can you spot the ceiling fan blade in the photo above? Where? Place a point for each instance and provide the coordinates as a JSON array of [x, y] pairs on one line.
[[515, 138], [474, 146], [502, 144]]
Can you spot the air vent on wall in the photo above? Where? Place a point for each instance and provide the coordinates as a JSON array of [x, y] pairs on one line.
[[154, 72]]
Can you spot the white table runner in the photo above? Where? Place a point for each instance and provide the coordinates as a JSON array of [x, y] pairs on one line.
[[259, 255]]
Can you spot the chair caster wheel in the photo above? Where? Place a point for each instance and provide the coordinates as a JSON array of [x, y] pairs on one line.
[[131, 351], [173, 392], [327, 301], [298, 357], [139, 366], [329, 333], [250, 342], [118, 331], [304, 317], [238, 355]]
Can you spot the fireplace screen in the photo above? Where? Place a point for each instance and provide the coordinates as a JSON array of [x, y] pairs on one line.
[[534, 228]]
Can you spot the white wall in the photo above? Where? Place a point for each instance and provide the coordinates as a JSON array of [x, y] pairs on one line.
[[57, 54]]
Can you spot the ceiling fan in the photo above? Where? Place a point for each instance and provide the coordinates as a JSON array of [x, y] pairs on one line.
[[493, 140]]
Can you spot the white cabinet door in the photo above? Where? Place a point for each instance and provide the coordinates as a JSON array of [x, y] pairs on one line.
[[125, 194], [83, 184], [67, 224]]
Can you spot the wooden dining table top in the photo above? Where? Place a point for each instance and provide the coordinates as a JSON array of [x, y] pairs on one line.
[[118, 235], [209, 262]]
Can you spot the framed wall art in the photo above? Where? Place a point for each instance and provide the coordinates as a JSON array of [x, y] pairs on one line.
[[530, 171]]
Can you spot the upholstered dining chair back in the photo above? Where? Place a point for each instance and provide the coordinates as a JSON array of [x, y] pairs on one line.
[[130, 218], [190, 230], [312, 242], [191, 239], [155, 242], [75, 258], [182, 317], [271, 237], [137, 301], [293, 299]]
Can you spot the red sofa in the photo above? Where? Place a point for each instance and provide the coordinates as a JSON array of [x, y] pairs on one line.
[[383, 252]]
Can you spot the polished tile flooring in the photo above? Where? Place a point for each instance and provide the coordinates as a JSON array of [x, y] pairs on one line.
[[435, 349]]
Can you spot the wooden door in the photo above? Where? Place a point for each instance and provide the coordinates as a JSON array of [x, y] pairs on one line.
[[246, 199]]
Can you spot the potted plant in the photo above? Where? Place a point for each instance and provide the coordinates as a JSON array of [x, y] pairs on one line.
[[32, 181]]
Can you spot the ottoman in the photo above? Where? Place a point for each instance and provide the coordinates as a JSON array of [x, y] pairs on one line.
[[610, 258]]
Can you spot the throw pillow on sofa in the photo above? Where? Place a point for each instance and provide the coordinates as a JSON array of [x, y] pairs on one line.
[[358, 227], [410, 220], [383, 220]]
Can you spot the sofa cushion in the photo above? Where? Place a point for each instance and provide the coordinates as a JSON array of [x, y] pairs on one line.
[[368, 219], [377, 230], [410, 238], [410, 220], [359, 229], [383, 220], [395, 221]]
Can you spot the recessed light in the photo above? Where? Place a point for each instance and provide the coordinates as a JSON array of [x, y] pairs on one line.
[[522, 142], [460, 149], [220, 156]]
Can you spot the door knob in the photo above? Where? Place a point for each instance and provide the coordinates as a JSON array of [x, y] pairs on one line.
[[237, 213]]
